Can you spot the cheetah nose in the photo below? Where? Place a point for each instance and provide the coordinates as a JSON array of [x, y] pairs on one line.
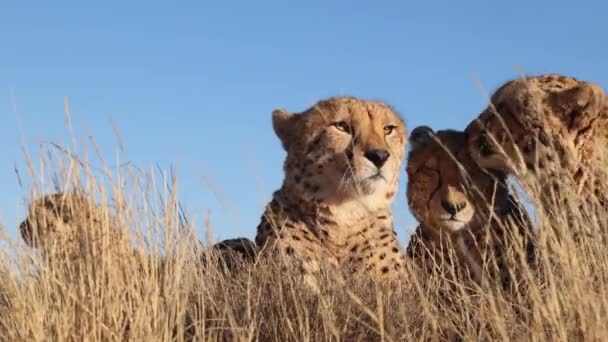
[[453, 208], [378, 157]]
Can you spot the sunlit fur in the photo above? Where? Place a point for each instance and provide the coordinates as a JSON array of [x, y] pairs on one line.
[[549, 127], [441, 173], [334, 203], [71, 225], [327, 163], [460, 207], [67, 222]]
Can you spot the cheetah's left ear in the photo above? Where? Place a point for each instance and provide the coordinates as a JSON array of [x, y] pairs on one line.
[[580, 105], [283, 122], [420, 136]]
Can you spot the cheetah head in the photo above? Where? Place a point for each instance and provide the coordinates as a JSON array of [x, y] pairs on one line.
[[343, 148], [446, 190], [57, 218], [537, 124]]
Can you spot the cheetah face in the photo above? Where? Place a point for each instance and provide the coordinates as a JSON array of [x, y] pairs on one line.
[[48, 217], [492, 147], [343, 148], [446, 190], [536, 124], [54, 219]]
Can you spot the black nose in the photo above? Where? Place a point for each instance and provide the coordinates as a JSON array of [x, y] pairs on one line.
[[453, 208], [378, 157]]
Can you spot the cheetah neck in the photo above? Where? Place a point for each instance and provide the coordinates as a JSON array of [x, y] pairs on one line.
[[349, 215]]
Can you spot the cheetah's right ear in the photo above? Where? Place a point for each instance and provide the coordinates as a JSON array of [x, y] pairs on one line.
[[579, 106], [283, 122], [420, 136]]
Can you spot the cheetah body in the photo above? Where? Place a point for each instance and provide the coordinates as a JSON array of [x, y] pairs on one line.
[[551, 127], [468, 218], [341, 176]]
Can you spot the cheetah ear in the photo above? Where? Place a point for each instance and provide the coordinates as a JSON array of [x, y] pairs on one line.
[[283, 122], [420, 136], [580, 105]]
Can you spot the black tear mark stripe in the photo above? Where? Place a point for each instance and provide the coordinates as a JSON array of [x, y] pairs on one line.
[[315, 143], [439, 184]]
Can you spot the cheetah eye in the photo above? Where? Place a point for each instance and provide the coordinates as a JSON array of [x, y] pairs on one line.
[[484, 148], [388, 129], [342, 126]]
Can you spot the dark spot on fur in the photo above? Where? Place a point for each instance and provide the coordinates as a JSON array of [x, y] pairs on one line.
[[382, 256], [395, 250], [389, 194], [316, 188], [326, 221], [354, 249], [384, 269], [384, 236], [315, 142], [297, 179], [289, 251], [530, 166], [541, 163], [543, 138], [295, 238], [381, 217]]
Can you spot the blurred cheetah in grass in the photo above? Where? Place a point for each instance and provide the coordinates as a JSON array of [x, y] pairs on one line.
[[551, 129]]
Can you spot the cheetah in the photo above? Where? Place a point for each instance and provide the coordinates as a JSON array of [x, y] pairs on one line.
[[547, 128], [341, 176], [466, 215], [71, 226], [69, 223]]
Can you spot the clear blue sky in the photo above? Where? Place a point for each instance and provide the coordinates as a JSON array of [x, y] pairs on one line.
[[193, 85]]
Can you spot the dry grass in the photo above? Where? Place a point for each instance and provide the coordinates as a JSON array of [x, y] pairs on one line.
[[162, 285]]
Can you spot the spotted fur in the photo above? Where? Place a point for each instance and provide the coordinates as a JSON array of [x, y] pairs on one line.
[[551, 127], [69, 223], [341, 176], [467, 216]]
